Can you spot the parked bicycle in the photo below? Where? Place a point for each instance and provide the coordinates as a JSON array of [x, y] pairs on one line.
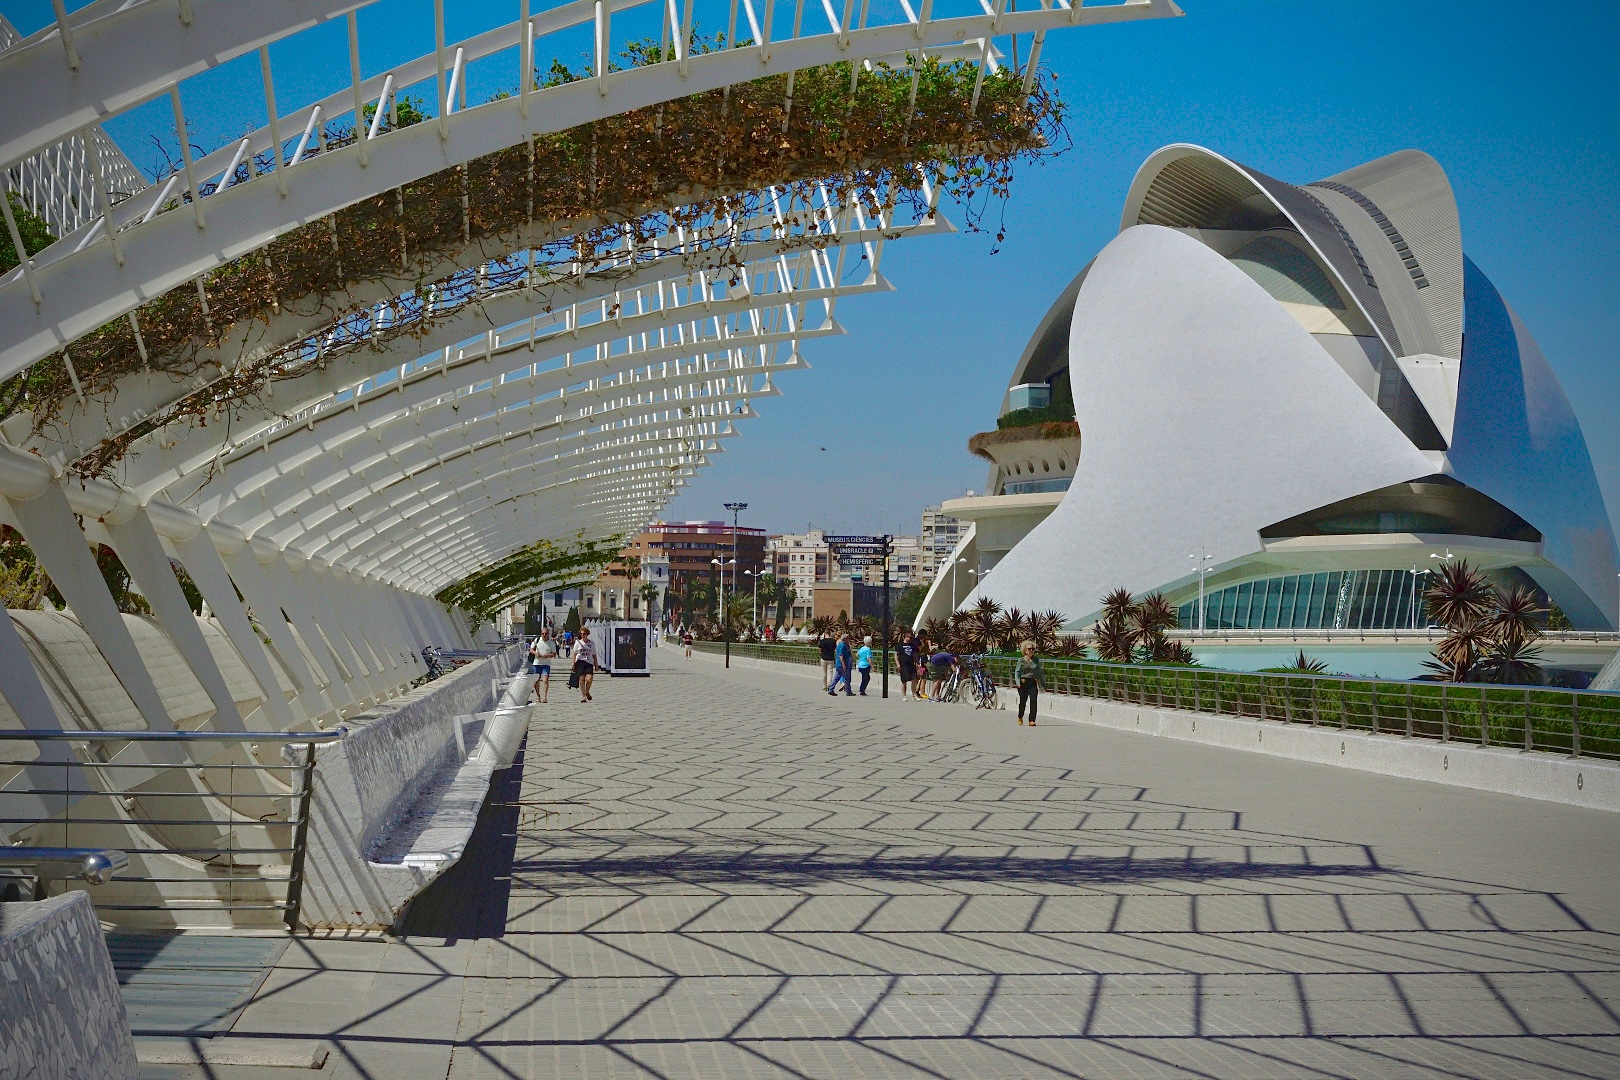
[[983, 686]]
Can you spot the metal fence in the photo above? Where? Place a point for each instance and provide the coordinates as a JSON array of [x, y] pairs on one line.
[[236, 824], [1578, 723]]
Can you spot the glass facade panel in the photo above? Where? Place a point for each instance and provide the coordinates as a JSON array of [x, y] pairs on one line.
[[1344, 600]]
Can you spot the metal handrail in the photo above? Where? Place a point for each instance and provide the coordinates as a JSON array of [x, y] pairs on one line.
[[54, 735], [95, 865], [299, 791]]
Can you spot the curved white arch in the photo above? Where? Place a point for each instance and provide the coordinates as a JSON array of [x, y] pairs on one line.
[[81, 288]]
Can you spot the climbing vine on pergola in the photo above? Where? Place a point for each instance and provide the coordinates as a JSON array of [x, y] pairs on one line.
[[577, 200], [527, 571]]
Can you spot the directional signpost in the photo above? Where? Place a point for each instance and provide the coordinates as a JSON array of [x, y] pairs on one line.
[[867, 551]]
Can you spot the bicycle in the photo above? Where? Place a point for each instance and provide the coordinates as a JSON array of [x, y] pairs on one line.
[[984, 686]]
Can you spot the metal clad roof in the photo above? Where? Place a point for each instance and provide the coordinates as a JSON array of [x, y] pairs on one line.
[[1413, 191], [1396, 287]]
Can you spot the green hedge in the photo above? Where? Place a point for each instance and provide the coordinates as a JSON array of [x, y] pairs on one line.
[[1577, 722]]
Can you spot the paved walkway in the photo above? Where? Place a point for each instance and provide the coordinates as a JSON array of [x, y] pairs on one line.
[[724, 874]]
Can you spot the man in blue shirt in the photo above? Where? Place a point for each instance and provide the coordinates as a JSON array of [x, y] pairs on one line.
[[940, 666], [843, 661]]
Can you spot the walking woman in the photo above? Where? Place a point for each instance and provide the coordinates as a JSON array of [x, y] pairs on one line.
[[1030, 677], [863, 662], [585, 663]]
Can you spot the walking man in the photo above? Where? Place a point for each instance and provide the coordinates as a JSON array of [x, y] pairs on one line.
[[829, 657], [541, 654], [843, 662], [907, 653], [686, 639]]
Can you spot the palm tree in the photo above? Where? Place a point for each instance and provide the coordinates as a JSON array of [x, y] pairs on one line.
[[1457, 656], [1489, 634], [1118, 605], [786, 596], [1148, 621], [1112, 634], [649, 596]]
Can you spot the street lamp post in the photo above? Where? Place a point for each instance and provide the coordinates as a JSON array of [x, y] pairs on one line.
[[1415, 573], [753, 611], [1198, 564], [736, 509], [954, 565]]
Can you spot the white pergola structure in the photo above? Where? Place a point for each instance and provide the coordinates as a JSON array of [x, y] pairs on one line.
[[401, 466], [532, 405]]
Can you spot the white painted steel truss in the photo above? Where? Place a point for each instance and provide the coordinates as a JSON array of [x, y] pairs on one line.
[[318, 523], [92, 277]]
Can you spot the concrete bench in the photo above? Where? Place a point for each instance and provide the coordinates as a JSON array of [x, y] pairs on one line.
[[395, 803], [60, 1010]]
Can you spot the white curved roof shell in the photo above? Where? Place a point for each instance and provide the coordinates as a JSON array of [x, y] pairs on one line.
[[1247, 351]]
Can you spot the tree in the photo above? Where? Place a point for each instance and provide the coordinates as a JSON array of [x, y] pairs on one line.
[[910, 602], [35, 233], [631, 571], [649, 596], [786, 596], [572, 623]]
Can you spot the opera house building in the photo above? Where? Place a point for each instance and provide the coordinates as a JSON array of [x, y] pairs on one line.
[[1305, 393]]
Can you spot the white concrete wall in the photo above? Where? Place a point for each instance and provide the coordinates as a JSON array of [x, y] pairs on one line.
[[378, 791], [61, 1014]]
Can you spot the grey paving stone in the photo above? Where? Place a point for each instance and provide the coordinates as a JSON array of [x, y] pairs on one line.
[[729, 875]]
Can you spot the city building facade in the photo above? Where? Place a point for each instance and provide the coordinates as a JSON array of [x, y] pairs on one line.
[[687, 549], [940, 533]]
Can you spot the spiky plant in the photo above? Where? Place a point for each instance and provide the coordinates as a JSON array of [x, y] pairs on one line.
[[1118, 605], [1457, 657], [1307, 665], [1460, 594], [1043, 630], [821, 624], [1176, 652], [1009, 629], [1149, 619], [1070, 648], [1517, 617], [1113, 641], [1512, 659]]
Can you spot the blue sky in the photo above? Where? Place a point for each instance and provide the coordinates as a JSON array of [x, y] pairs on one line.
[[1516, 102]]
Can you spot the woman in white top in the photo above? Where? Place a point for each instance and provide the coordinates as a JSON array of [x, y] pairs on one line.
[[585, 662]]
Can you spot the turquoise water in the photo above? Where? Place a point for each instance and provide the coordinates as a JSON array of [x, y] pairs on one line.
[[1389, 662]]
